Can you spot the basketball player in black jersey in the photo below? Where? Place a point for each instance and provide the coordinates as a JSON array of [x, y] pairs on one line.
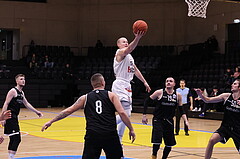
[[14, 100], [4, 116], [230, 126], [99, 109], [166, 101]]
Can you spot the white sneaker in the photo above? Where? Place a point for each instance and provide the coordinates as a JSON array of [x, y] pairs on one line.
[[195, 109], [199, 109]]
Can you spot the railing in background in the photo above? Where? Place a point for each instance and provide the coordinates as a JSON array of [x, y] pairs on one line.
[[76, 50]]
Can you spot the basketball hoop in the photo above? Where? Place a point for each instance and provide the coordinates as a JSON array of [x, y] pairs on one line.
[[197, 8]]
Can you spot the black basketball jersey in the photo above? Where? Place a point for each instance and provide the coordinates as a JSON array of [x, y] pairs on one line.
[[100, 112], [15, 104], [231, 113], [165, 107]]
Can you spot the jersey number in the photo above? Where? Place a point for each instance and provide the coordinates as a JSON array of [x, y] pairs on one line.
[[98, 104]]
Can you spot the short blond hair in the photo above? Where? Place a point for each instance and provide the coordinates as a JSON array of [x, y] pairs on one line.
[[19, 75]]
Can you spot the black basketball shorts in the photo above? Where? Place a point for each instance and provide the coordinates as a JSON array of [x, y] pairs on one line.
[[227, 132], [11, 127], [95, 143], [163, 129]]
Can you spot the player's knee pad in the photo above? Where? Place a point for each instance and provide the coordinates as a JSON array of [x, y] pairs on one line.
[[14, 142]]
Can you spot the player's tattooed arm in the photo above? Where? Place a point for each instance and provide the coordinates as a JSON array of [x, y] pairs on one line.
[[61, 115], [77, 105], [66, 112]]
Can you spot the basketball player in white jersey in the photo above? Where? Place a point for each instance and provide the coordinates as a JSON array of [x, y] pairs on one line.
[[124, 70]]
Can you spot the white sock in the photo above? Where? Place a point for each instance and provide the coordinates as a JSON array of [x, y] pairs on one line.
[[11, 156]]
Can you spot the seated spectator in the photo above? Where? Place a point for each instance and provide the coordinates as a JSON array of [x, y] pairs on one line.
[[48, 63], [99, 49], [236, 74], [212, 43], [210, 107], [99, 44], [199, 104], [67, 72], [31, 47], [228, 77], [33, 61], [4, 72]]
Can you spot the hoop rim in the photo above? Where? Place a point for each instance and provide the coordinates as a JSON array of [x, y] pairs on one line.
[[197, 8]]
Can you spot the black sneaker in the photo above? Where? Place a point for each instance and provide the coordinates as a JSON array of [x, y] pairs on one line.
[[187, 134], [176, 134]]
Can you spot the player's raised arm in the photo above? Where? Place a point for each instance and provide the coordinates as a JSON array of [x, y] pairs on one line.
[[125, 48], [219, 98]]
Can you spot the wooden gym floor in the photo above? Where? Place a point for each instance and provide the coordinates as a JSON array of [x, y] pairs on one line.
[[65, 137]]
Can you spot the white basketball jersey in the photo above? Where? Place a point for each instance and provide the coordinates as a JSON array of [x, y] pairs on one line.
[[124, 69]]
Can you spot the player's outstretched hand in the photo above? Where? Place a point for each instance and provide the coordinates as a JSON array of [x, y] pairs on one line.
[[139, 34], [144, 119], [6, 115], [198, 90], [132, 136], [46, 125], [148, 89]]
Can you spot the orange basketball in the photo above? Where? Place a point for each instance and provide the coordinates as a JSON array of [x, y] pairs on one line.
[[140, 25]]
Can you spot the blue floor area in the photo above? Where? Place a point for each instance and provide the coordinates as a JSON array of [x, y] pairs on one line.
[[61, 157]]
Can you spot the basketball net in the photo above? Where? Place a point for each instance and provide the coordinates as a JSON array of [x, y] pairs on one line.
[[197, 8]]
